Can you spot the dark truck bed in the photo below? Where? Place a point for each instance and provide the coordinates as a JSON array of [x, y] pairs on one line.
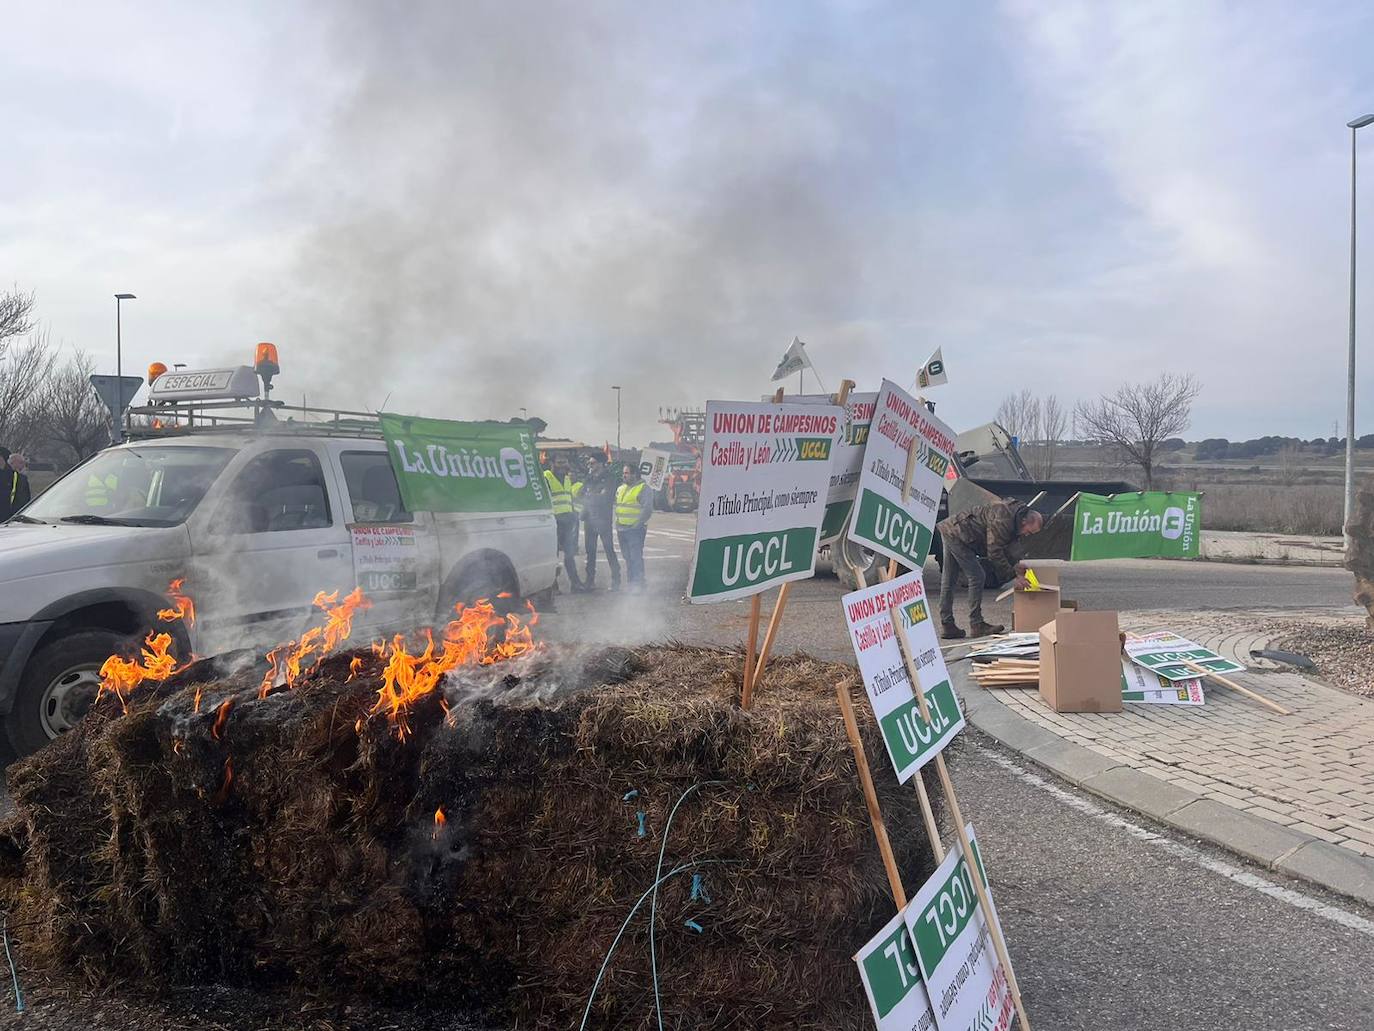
[[1057, 536]]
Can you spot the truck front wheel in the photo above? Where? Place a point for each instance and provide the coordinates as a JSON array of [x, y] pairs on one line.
[[59, 684]]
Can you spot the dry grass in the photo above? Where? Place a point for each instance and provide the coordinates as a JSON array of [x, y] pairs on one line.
[[321, 866], [1310, 510]]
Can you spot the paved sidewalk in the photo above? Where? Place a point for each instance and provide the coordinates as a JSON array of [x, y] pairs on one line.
[[1295, 793], [1284, 549]]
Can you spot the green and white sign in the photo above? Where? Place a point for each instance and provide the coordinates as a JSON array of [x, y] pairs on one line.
[[898, 529], [954, 950], [1165, 652], [911, 741], [1153, 525], [850, 440], [447, 466], [1146, 687], [892, 980], [765, 475]]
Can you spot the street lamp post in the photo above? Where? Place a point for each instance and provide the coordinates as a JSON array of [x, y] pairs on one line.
[[119, 359], [1355, 126], [617, 417]]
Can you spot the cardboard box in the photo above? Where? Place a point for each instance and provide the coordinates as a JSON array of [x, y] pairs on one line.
[[1030, 610], [1080, 662]]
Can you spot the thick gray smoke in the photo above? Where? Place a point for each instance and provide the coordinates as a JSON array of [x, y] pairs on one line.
[[519, 205]]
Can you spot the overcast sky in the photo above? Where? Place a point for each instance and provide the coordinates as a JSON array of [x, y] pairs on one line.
[[472, 208]]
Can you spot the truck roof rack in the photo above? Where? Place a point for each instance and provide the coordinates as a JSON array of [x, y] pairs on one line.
[[252, 415]]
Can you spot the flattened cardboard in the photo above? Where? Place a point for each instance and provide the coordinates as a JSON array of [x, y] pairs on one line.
[[1030, 610], [1080, 662]]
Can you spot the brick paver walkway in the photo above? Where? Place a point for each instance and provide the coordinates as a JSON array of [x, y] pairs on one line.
[[1312, 771]]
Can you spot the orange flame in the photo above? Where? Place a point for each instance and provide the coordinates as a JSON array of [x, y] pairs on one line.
[[299, 658], [353, 667], [183, 606], [478, 637], [122, 675], [195, 705], [222, 795], [221, 717], [439, 820]]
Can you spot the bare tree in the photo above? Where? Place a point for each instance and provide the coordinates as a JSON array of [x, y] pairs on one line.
[[24, 370], [16, 315], [1139, 416], [74, 421], [1019, 415], [1053, 419]]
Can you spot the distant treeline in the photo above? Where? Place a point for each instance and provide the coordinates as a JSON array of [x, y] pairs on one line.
[[1219, 447]]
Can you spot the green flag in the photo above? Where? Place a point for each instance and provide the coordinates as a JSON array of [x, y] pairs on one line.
[[1148, 525], [447, 466]]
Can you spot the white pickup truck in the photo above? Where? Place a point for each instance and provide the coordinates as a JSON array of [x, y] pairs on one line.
[[255, 521]]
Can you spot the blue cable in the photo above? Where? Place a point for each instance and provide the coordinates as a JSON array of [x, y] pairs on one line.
[[14, 974], [635, 909], [653, 906]]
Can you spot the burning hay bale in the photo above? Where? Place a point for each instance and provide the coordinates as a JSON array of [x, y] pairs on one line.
[[481, 845]]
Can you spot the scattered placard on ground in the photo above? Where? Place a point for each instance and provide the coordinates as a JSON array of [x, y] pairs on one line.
[[1162, 652], [911, 741], [892, 980], [958, 961], [1145, 687], [385, 558], [882, 522], [847, 462], [443, 465], [1156, 524], [653, 466], [765, 477]]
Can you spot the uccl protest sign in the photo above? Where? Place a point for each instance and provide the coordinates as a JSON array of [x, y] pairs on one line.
[[1138, 525], [847, 461], [765, 476], [911, 740], [446, 466], [898, 529], [892, 980]]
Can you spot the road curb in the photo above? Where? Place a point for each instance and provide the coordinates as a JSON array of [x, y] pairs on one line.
[[1269, 844]]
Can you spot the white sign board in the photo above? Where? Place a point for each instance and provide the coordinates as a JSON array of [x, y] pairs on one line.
[[892, 980], [653, 466], [850, 440], [911, 741], [954, 950], [882, 521], [765, 475], [1144, 687], [1163, 653], [385, 558]]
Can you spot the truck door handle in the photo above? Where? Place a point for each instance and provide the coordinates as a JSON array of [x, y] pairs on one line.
[[327, 553]]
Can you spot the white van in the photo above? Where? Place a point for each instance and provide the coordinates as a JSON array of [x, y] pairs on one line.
[[256, 520]]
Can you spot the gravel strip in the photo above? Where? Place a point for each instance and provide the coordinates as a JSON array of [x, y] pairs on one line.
[[1344, 654]]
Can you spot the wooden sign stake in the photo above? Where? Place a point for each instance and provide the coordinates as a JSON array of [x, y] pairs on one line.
[[875, 814], [751, 678], [927, 813], [984, 903]]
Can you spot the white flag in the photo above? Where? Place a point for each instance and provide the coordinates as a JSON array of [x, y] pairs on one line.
[[794, 359], [932, 372]]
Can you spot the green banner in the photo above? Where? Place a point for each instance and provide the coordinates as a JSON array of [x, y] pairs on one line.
[[1153, 525], [447, 466]]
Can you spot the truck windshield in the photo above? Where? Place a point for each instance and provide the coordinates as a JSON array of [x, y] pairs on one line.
[[132, 486]]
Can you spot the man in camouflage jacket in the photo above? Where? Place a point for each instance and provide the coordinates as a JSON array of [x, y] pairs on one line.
[[984, 532]]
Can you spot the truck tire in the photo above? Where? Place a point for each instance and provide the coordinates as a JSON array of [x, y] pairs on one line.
[[685, 499], [849, 559], [57, 687]]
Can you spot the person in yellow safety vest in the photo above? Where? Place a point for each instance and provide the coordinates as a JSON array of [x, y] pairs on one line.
[[634, 505], [562, 490], [100, 491]]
